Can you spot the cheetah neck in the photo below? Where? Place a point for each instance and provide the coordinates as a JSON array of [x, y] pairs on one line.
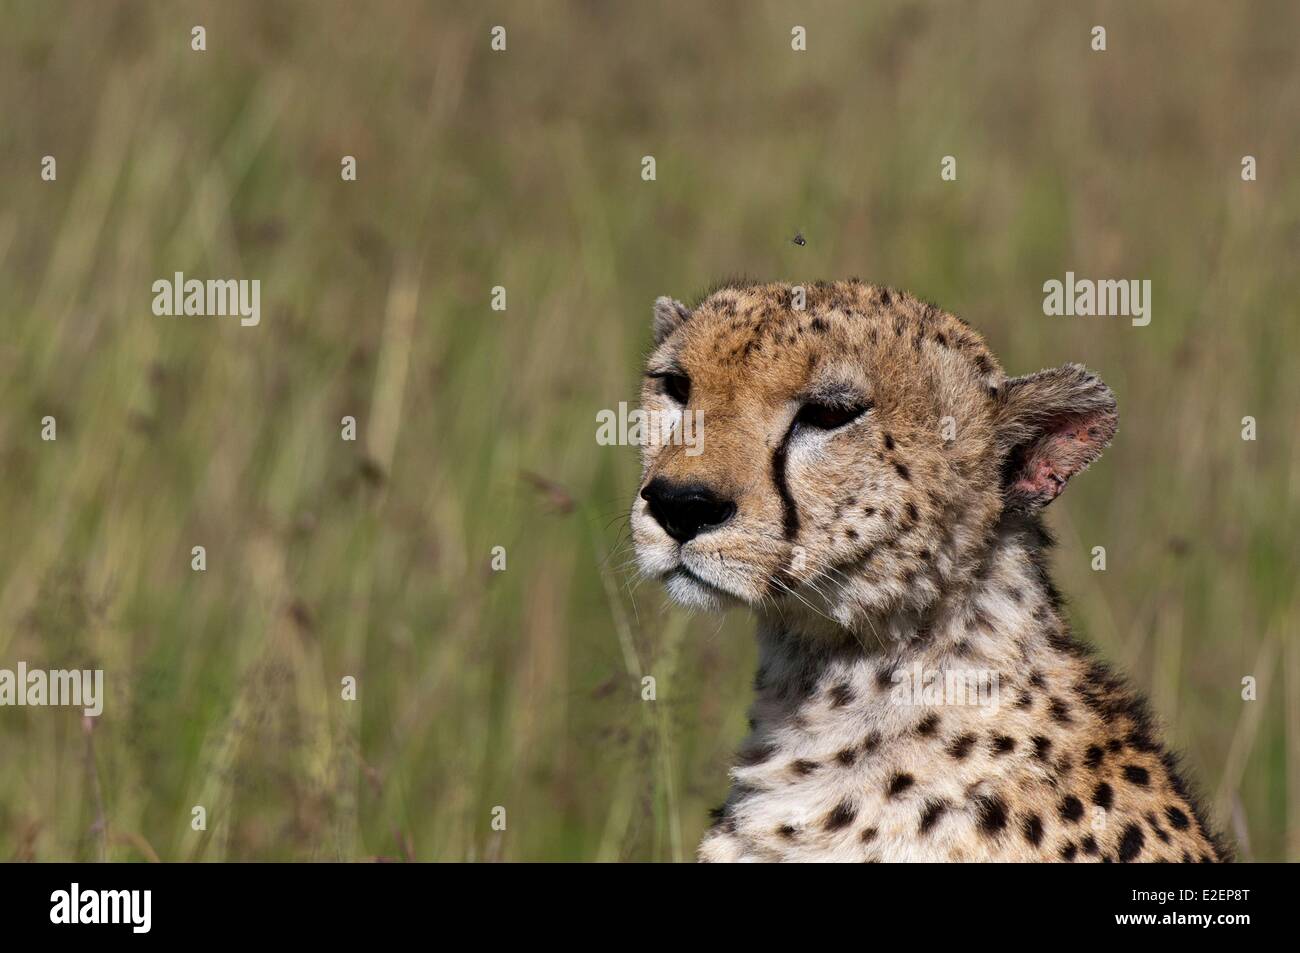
[[1002, 614], [978, 731], [962, 669]]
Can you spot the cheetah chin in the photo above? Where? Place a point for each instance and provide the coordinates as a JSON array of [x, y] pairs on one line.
[[870, 485]]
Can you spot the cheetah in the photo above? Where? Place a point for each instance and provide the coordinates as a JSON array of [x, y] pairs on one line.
[[870, 486]]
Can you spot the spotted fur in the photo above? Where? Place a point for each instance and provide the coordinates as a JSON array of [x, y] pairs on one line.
[[902, 546]]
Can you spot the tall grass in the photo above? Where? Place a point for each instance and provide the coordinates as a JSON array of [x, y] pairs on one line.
[[522, 689]]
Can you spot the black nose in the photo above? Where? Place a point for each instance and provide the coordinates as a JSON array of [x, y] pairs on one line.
[[686, 510]]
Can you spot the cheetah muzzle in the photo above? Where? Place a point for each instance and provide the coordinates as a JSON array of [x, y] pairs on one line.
[[870, 485]]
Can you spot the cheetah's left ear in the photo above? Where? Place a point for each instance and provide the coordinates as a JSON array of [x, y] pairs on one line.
[[1051, 425], [670, 314]]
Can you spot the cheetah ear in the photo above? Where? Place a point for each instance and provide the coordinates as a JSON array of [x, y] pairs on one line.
[[1051, 425], [670, 314]]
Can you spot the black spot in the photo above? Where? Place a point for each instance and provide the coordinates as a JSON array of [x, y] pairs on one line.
[[1176, 818], [1042, 747], [1069, 850], [1090, 845], [786, 831], [1136, 775], [1060, 711], [991, 814], [802, 767], [1033, 829], [898, 784], [841, 695], [1130, 843], [841, 816], [1103, 796], [868, 835], [1061, 641], [930, 816], [1002, 744], [1140, 740], [1025, 700], [885, 677], [846, 757], [1091, 698], [871, 742], [889, 442], [905, 473], [960, 747], [928, 725], [1036, 679], [1114, 745], [1092, 758], [1071, 808]]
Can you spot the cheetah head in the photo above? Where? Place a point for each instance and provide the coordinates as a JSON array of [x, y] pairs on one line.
[[857, 450]]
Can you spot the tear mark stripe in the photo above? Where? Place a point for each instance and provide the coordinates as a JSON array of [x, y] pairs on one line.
[[789, 512]]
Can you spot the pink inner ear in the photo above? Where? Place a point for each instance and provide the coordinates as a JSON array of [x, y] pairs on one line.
[[1059, 454]]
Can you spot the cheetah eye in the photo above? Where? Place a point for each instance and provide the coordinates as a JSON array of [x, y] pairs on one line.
[[829, 416], [677, 386]]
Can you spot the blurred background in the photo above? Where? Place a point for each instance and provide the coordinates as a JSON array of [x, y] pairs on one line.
[[521, 688]]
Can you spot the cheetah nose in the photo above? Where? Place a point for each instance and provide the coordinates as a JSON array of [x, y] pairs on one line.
[[686, 510]]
